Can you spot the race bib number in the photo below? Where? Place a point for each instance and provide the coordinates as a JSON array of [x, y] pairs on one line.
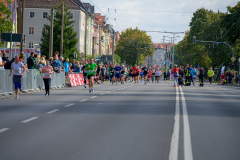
[[90, 71], [117, 71], [16, 71], [145, 69], [46, 74]]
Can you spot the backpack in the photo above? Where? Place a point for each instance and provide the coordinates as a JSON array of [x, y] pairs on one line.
[[176, 74]]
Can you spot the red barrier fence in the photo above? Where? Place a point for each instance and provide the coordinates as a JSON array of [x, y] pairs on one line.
[[76, 79]]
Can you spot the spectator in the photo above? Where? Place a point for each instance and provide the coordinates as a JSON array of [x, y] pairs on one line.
[[21, 57], [1, 62], [51, 61], [26, 67], [66, 67], [74, 66], [78, 67], [60, 63], [103, 70], [55, 64], [40, 66], [44, 60], [30, 61], [35, 60]]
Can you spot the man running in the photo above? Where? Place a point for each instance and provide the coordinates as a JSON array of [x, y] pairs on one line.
[[18, 68], [112, 73], [123, 75], [201, 72], [84, 74], [135, 75], [91, 67], [117, 70], [145, 73], [210, 75]]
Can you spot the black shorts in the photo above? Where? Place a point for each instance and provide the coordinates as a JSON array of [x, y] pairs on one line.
[[145, 74], [112, 76], [89, 76], [135, 75], [66, 74]]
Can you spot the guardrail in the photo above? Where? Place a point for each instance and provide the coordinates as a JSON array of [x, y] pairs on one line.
[[32, 81]]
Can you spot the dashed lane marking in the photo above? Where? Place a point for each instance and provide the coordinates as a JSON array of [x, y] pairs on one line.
[[93, 97], [109, 92], [3, 130], [30, 119], [53, 111], [102, 94], [69, 105], [83, 100]]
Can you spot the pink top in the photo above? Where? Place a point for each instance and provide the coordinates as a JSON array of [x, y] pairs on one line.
[[47, 72]]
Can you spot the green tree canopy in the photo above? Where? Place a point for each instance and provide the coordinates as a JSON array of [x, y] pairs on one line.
[[132, 46], [69, 35]]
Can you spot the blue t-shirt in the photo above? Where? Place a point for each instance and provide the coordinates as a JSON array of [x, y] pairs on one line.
[[66, 66], [193, 73], [118, 70], [141, 74], [59, 64]]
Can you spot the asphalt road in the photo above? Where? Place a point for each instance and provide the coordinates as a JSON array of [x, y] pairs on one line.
[[124, 122]]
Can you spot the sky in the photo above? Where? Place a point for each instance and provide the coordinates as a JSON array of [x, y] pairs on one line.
[[156, 15]]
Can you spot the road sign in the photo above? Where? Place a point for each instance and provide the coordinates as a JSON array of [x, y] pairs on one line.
[[233, 58], [75, 55], [217, 43], [165, 62], [7, 37], [97, 58]]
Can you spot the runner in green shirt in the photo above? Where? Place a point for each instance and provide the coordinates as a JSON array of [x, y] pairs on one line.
[[210, 75], [91, 69]]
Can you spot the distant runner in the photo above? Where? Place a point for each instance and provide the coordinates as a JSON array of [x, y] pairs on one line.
[[91, 69]]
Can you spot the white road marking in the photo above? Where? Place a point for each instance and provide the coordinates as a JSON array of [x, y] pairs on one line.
[[123, 88], [93, 97], [119, 89], [83, 100], [69, 105], [30, 119], [233, 92], [108, 92], [186, 134], [102, 94], [3, 130], [53, 111], [173, 154]]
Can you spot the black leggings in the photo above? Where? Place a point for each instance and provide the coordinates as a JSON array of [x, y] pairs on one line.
[[47, 84]]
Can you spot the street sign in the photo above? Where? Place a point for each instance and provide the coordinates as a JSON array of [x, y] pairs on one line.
[[233, 58], [7, 37], [165, 62], [217, 43], [75, 55], [97, 58]]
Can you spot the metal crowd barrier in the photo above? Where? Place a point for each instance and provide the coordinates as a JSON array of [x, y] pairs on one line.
[[31, 81]]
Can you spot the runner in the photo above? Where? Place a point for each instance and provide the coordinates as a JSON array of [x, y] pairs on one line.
[[153, 75], [117, 70], [135, 73], [194, 76], [112, 73], [84, 74], [158, 75], [19, 69], [91, 67], [130, 74], [210, 75], [149, 75], [141, 76], [145, 73], [123, 75], [138, 72], [47, 71], [201, 72]]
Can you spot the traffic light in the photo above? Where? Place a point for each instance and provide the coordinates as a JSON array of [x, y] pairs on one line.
[[194, 39], [232, 65]]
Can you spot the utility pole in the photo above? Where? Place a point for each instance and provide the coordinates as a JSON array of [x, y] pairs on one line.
[[113, 46], [85, 38], [23, 5], [61, 44], [100, 44], [51, 36]]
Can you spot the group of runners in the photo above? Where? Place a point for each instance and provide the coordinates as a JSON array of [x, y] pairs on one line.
[[117, 74]]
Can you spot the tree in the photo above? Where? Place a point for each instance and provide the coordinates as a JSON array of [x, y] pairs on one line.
[[117, 58], [69, 35], [132, 46], [5, 15]]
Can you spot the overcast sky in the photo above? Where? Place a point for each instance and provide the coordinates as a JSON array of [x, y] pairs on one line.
[[156, 15]]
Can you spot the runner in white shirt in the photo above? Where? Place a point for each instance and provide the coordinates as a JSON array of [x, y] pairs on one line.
[[18, 70], [158, 75]]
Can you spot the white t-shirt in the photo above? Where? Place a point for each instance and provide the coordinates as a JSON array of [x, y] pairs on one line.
[[17, 68], [1, 67], [158, 73]]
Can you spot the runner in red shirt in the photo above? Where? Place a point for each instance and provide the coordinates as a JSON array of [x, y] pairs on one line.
[[139, 70], [149, 75], [135, 75]]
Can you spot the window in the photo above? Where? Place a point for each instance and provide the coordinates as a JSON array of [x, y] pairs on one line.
[[31, 30], [30, 45], [71, 15], [45, 14], [32, 14]]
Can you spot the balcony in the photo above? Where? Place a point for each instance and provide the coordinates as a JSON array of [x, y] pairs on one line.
[[96, 34]]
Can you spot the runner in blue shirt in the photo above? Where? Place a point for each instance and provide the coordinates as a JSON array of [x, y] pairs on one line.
[[117, 70]]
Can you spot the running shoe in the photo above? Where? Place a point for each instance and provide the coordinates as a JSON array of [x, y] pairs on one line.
[[17, 97], [85, 86], [46, 94], [92, 90]]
